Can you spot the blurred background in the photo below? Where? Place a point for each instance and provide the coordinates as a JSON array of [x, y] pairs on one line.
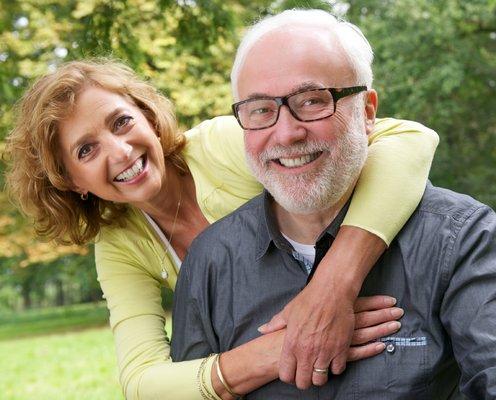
[[435, 62]]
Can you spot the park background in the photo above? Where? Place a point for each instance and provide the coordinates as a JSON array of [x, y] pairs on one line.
[[434, 62]]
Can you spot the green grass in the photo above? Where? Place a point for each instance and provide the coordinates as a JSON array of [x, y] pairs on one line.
[[52, 320], [50, 354], [69, 366]]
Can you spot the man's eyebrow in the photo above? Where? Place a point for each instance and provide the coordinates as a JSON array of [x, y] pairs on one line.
[[307, 86], [257, 96], [298, 88]]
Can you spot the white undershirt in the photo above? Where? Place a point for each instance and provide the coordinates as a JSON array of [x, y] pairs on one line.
[[306, 250], [165, 241]]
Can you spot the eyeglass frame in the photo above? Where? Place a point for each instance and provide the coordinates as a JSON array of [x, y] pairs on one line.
[[336, 94]]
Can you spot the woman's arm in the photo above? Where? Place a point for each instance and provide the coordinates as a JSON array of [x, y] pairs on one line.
[[256, 363], [389, 189], [130, 265]]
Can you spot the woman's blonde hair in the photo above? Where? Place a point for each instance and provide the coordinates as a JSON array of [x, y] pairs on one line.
[[36, 178]]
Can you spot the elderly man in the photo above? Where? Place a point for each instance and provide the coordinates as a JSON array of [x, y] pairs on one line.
[[302, 84]]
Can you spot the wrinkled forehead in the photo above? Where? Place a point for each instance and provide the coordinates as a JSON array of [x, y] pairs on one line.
[[294, 54]]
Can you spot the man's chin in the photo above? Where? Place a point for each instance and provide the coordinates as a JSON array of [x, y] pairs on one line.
[[302, 199]]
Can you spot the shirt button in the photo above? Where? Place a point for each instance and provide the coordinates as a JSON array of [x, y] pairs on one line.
[[390, 348], [164, 274]]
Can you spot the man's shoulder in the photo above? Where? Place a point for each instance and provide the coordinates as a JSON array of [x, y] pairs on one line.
[[445, 216], [449, 204]]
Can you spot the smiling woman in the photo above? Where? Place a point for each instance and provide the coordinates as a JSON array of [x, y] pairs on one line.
[[47, 188], [129, 180], [110, 149]]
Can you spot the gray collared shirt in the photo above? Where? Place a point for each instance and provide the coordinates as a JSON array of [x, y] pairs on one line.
[[441, 268]]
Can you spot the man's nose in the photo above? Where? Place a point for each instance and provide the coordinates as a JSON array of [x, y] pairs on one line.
[[119, 149], [288, 129]]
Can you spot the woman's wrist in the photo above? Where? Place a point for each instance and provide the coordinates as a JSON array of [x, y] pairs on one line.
[[249, 366], [219, 387], [220, 383], [349, 260]]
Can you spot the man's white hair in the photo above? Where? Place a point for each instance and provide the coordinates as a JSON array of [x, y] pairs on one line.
[[356, 47]]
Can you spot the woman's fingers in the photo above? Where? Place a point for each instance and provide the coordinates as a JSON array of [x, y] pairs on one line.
[[368, 350], [375, 317], [365, 319], [373, 303], [365, 335]]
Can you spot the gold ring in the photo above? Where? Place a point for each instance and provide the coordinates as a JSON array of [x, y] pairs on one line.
[[322, 371]]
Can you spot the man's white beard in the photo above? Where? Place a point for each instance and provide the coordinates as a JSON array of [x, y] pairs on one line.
[[315, 190]]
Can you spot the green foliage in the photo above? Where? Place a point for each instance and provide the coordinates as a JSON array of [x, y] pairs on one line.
[[174, 43], [435, 62], [66, 279]]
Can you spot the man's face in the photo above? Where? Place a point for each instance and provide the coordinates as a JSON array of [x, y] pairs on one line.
[[306, 166]]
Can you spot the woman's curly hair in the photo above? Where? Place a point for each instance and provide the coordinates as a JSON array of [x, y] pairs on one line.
[[36, 178]]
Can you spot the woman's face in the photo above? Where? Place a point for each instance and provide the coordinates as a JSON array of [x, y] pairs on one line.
[[110, 149]]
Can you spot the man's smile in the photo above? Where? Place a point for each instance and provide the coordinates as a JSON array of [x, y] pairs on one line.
[[299, 161]]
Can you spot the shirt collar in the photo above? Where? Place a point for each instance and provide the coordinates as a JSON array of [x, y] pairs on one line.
[[269, 233]]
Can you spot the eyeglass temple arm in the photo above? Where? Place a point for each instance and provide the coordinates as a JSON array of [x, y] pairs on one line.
[[340, 93]]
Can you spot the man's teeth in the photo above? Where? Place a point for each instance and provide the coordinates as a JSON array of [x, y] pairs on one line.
[[298, 161], [132, 172]]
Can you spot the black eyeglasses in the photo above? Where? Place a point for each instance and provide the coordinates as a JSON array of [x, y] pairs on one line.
[[305, 105]]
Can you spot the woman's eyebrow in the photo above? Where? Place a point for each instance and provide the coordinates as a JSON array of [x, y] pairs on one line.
[[110, 117]]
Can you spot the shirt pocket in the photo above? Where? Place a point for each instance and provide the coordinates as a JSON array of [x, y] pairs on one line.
[[406, 364]]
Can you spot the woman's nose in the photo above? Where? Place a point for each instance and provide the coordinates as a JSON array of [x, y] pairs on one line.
[[119, 149]]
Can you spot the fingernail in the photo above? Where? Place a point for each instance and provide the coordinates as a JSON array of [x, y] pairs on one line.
[[394, 325], [397, 312], [391, 301], [261, 328], [380, 346]]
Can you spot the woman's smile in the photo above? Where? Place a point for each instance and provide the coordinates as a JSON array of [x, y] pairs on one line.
[[134, 172]]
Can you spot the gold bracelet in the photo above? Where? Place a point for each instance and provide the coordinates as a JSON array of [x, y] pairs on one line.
[[221, 377], [200, 376]]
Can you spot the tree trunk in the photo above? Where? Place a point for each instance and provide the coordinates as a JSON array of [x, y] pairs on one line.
[[26, 295], [59, 293]]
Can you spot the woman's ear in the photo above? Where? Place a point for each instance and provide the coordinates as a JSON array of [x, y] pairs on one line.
[[77, 189]]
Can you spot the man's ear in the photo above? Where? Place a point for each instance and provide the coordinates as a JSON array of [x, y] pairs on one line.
[[371, 104]]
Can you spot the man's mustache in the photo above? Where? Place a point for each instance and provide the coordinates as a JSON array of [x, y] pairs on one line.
[[294, 150]]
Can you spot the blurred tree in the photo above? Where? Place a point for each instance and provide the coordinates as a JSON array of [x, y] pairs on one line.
[[434, 62], [175, 44]]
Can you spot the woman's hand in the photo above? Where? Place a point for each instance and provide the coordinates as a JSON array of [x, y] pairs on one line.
[[256, 363]]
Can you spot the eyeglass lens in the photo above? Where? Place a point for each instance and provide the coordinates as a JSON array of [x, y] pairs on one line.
[[306, 106]]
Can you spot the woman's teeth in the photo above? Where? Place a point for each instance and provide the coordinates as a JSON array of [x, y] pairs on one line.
[[131, 172], [298, 161]]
